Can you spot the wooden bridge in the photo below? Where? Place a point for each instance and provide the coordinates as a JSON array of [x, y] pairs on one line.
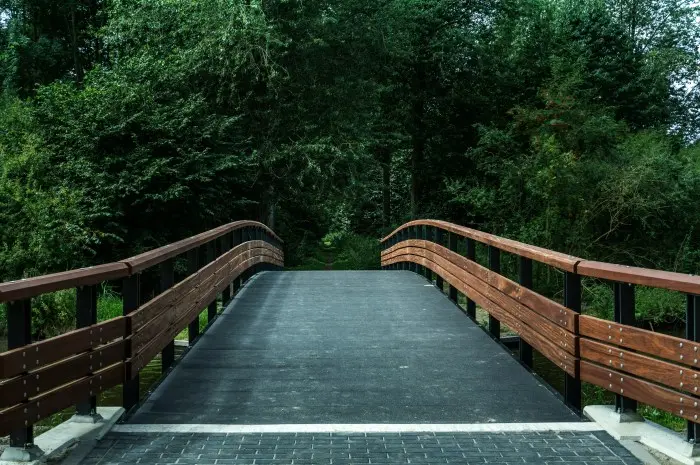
[[347, 366]]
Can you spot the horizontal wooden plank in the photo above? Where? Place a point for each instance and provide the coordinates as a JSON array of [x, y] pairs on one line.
[[38, 354], [641, 276], [58, 399], [557, 259], [146, 349], [36, 382], [30, 287], [165, 301], [553, 311], [677, 377], [643, 391], [560, 357], [660, 345], [551, 331]]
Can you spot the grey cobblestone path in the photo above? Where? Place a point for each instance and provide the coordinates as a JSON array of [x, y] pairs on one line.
[[360, 448]]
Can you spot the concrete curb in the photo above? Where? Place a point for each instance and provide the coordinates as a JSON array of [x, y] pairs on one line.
[[658, 438], [60, 440]]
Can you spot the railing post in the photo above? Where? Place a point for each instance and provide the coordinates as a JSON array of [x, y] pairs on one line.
[[167, 279], [86, 315], [421, 236], [192, 268], [452, 245], [624, 314], [438, 239], [413, 266], [692, 332], [471, 255], [19, 333], [227, 244], [213, 249], [427, 272], [525, 279], [495, 266], [131, 296], [572, 300]]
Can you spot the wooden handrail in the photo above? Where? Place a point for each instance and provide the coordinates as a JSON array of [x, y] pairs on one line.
[[682, 282], [31, 287]]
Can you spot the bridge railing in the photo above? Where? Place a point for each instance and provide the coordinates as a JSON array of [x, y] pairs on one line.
[[38, 379], [633, 363]]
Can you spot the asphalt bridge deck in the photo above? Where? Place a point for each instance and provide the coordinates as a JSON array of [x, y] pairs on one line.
[[347, 347]]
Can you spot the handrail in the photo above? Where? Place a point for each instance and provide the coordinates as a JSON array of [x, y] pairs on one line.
[[682, 282], [633, 363], [31, 287], [39, 378]]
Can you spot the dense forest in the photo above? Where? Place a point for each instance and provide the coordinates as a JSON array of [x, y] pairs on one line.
[[127, 124]]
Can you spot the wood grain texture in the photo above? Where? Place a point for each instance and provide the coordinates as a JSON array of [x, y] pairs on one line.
[[672, 348], [37, 382], [58, 399], [38, 354], [677, 377], [643, 391]]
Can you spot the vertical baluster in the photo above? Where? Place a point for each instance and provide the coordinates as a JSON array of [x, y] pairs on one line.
[[624, 313], [193, 259], [495, 266], [167, 279], [525, 279], [572, 300], [692, 332], [471, 255], [131, 296], [213, 251], [19, 333], [452, 245], [86, 315], [439, 239], [420, 236]]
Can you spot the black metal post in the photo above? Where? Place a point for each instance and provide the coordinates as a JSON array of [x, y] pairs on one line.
[[438, 239], [692, 332], [227, 245], [192, 268], [86, 315], [413, 233], [495, 266], [19, 333], [471, 255], [525, 279], [624, 314], [419, 235], [213, 250], [131, 296], [572, 300], [452, 245], [167, 279]]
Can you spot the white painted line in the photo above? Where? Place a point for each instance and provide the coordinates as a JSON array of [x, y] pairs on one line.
[[359, 428]]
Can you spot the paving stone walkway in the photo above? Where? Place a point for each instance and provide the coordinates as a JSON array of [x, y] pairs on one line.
[[547, 447]]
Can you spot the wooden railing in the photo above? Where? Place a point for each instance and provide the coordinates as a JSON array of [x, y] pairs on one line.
[[38, 379], [633, 363]]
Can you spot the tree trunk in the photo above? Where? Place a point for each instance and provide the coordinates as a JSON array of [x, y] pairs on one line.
[[386, 189], [417, 155]]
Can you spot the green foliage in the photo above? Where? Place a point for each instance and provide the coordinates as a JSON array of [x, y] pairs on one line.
[[53, 314], [658, 307]]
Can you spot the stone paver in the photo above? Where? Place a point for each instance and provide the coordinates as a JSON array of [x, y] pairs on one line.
[[359, 448]]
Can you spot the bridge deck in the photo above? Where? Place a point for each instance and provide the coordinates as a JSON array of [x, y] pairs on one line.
[[347, 347]]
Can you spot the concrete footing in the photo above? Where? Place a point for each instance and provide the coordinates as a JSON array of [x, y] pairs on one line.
[[57, 441], [634, 428]]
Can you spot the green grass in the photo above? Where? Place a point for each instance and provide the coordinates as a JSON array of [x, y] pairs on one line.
[[109, 305]]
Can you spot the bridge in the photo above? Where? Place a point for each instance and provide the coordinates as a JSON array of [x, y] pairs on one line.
[[384, 366]]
